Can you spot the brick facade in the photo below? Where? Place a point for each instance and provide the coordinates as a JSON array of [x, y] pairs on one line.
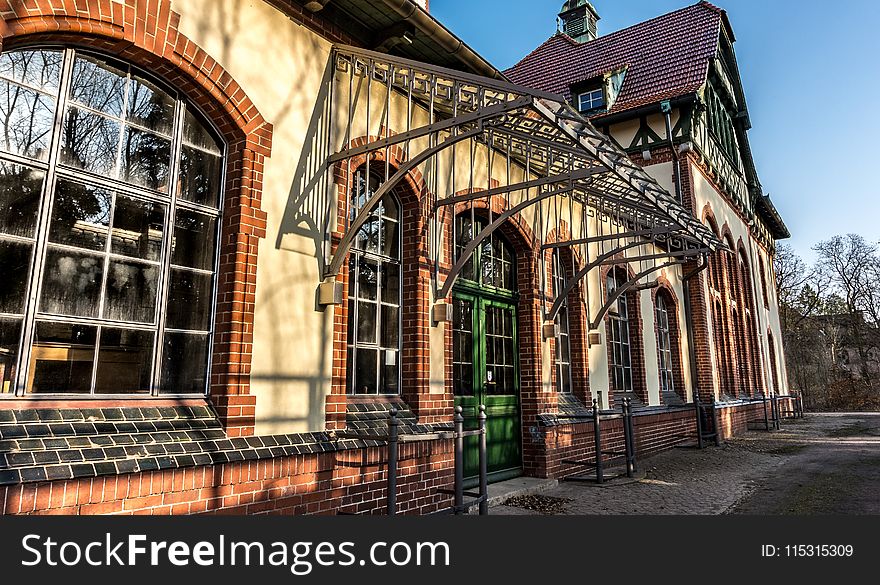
[[282, 478]]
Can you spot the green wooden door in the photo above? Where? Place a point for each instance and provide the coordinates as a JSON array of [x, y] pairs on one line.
[[485, 369]]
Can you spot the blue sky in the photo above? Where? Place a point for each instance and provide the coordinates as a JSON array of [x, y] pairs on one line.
[[812, 83]]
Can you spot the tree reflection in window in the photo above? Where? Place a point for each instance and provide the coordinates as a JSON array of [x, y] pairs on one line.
[[126, 283], [492, 263], [373, 355]]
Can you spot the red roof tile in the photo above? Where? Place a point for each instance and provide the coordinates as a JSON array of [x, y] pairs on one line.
[[665, 57]]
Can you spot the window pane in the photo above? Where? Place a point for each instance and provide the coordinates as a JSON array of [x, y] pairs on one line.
[[15, 264], [189, 300], [391, 283], [89, 142], [71, 283], [184, 363], [137, 228], [62, 358], [20, 190], [35, 68], [390, 239], [197, 134], [26, 120], [146, 158], [365, 371], [150, 107], [367, 322], [199, 178], [124, 361], [368, 276], [10, 333], [390, 327], [368, 236], [131, 292], [194, 240], [80, 216], [98, 85], [389, 372]]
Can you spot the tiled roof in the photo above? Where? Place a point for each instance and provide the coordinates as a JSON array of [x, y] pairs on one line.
[[665, 57]]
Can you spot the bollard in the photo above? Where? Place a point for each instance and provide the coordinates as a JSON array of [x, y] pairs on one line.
[[484, 463], [459, 460], [598, 437], [392, 462]]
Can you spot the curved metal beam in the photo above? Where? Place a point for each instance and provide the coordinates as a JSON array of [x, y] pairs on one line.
[[569, 286], [487, 231], [624, 288], [347, 240]]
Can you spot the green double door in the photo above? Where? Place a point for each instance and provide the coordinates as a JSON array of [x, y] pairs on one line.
[[486, 371]]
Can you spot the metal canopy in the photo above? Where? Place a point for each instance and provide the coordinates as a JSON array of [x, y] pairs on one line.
[[543, 155]]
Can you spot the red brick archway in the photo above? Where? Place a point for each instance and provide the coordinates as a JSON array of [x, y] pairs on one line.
[[145, 34]]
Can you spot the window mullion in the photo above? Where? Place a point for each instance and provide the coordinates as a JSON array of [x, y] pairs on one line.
[[165, 277], [45, 215]]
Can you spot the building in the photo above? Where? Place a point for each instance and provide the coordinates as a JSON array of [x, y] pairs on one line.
[[220, 263]]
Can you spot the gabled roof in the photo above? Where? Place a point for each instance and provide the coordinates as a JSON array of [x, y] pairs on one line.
[[665, 57]]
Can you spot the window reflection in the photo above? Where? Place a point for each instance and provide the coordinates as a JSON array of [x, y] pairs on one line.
[[99, 312], [62, 358]]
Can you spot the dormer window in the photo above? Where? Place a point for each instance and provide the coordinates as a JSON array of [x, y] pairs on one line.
[[590, 100]]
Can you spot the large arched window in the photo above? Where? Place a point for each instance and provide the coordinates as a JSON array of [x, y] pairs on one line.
[[374, 293], [563, 339], [110, 191]]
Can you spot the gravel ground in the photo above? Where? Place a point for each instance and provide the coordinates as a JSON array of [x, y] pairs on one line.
[[826, 463]]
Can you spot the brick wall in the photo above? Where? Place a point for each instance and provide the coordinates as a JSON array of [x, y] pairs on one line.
[[352, 482]]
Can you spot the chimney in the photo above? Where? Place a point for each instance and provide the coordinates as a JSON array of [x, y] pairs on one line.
[[579, 20], [423, 4]]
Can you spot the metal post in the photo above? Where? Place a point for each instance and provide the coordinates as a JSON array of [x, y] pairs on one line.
[[484, 463], [459, 460], [715, 427], [699, 410], [598, 438], [628, 445], [392, 462], [801, 404], [766, 415]]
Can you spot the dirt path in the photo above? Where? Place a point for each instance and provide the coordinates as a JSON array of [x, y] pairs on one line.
[[834, 469], [824, 464]]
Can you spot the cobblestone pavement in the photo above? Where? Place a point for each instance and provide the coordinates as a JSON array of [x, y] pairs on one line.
[[825, 463]]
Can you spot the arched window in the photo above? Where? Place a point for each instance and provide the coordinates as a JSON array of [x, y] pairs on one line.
[[563, 340], [763, 272], [618, 335], [774, 372], [492, 263], [374, 293], [665, 323], [110, 193]]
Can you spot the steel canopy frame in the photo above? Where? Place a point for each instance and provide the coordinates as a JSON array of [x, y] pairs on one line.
[[560, 161]]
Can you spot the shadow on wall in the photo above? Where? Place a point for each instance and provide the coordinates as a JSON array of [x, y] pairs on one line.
[[291, 389]]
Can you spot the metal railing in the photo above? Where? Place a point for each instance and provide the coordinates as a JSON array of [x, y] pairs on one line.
[[598, 462], [707, 422], [458, 435]]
